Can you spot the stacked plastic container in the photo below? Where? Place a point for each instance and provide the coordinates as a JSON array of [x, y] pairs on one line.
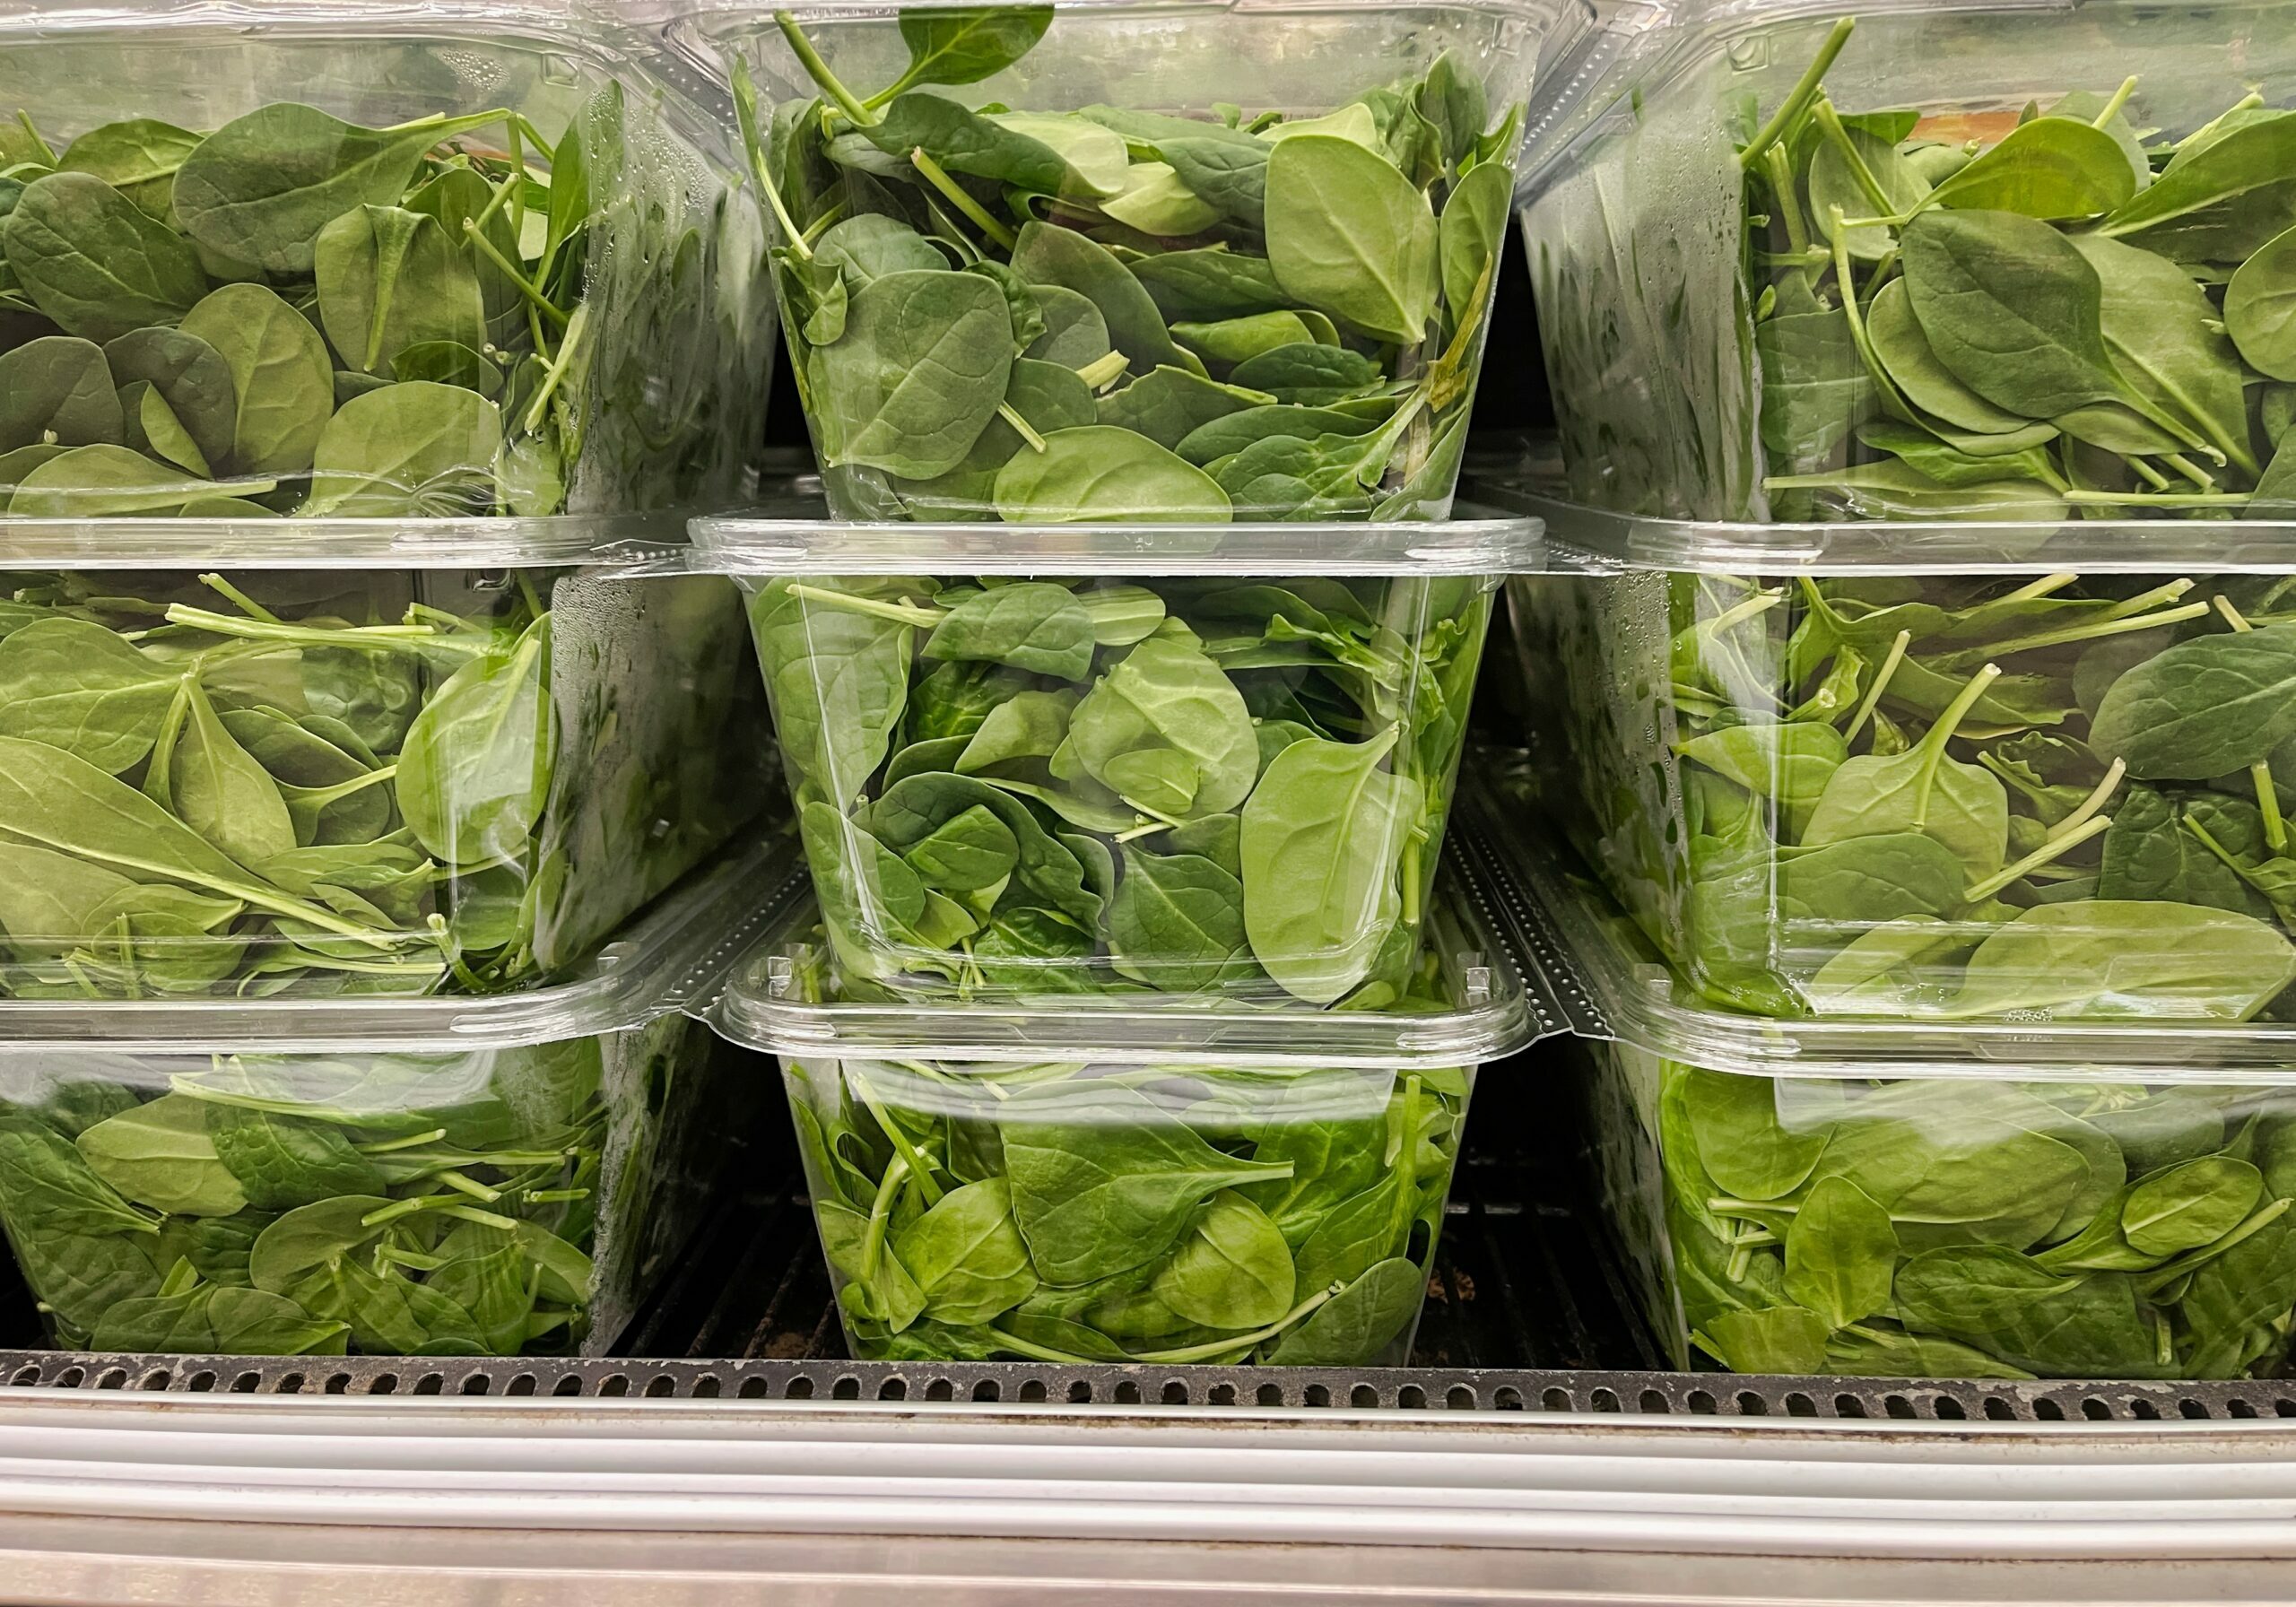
[[1922, 397], [1122, 704], [362, 811]]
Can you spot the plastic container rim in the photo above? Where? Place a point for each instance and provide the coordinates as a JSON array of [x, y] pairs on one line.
[[1492, 1022], [720, 19], [1475, 542], [1594, 540], [657, 963], [1642, 1004]]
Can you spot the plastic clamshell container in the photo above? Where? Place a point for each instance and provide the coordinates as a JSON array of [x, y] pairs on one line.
[[1097, 235], [341, 308], [466, 1176], [1931, 770], [1114, 1180], [1963, 1201], [356, 780], [1219, 768], [1679, 219]]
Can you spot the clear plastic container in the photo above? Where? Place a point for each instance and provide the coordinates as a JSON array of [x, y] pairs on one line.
[[354, 781], [1115, 289], [331, 295], [1931, 1201], [1930, 771], [498, 1177], [2062, 279], [1150, 1183], [1219, 766]]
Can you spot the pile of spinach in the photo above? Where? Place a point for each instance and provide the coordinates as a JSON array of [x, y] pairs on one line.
[[1205, 785], [294, 315], [210, 789], [1115, 313], [2012, 315], [1969, 797], [1069, 1214], [1973, 1230], [305, 1204]]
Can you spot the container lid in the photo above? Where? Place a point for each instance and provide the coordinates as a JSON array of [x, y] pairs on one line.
[[1597, 540], [676, 950], [293, 543], [572, 20], [769, 1002], [790, 538], [1586, 954]]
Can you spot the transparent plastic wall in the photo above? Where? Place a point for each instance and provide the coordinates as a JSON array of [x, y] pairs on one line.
[[356, 781], [1141, 1179], [1203, 763], [494, 1202], [2055, 797], [1691, 309], [2085, 1226], [1105, 1213], [386, 263], [1067, 263]]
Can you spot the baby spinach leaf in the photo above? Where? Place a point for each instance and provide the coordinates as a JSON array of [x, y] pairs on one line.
[[51, 392], [389, 279], [1232, 1271], [1100, 474], [918, 372], [75, 686], [260, 188], [161, 1155], [280, 371], [475, 769], [1349, 235], [94, 262], [1103, 1182], [1326, 840], [2010, 307], [409, 449]]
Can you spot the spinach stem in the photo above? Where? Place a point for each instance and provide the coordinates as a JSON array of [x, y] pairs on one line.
[[391, 1146], [2191, 469], [1221, 1347], [1798, 98], [560, 363], [880, 1215], [1021, 426], [31, 132], [1830, 124], [2055, 849], [2095, 802], [514, 274], [1789, 203], [1873, 698], [2090, 632], [900, 1141], [1104, 369], [2047, 585], [248, 605], [1933, 743], [375, 638], [2275, 827], [1848, 287], [811, 60], [936, 175], [753, 145], [2080, 499], [2119, 99], [900, 613]]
